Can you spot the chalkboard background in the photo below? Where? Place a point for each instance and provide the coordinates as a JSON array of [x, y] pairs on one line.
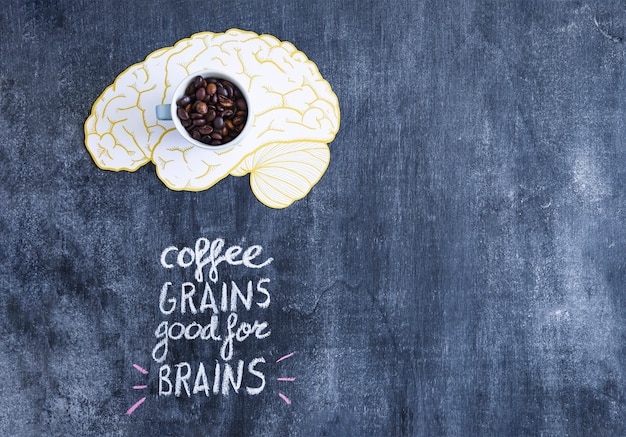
[[458, 271]]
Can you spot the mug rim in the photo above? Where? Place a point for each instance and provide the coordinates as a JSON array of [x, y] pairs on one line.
[[180, 91]]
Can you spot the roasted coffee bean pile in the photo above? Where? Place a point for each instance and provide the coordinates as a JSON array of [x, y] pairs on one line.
[[212, 110]]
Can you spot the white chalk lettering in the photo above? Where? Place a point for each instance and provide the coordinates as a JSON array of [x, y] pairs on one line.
[[252, 370], [226, 303], [209, 253], [229, 378], [236, 293], [230, 297], [189, 381], [235, 331], [177, 331], [260, 289], [159, 353], [164, 254], [208, 294], [163, 299], [187, 292], [243, 331], [216, 380], [201, 383], [164, 377], [182, 379]]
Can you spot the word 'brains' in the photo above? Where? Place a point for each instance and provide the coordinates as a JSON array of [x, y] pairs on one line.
[[225, 379]]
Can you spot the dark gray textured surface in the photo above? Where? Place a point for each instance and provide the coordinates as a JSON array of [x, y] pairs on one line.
[[458, 271]]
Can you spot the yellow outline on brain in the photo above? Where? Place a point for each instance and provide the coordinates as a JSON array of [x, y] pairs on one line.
[[296, 114]]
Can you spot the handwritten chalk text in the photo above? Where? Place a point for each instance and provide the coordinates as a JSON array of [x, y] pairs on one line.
[[169, 301], [235, 331], [212, 312], [225, 379], [206, 252]]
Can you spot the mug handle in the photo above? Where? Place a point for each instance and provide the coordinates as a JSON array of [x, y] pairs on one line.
[[164, 112]]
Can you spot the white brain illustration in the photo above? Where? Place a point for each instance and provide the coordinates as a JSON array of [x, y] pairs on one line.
[[286, 151]]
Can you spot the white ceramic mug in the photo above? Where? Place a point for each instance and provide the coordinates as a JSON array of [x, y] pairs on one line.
[[168, 111]]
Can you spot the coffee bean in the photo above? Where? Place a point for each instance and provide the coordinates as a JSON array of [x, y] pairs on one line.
[[202, 107], [225, 101], [185, 100], [212, 110], [182, 114], [218, 123], [205, 130]]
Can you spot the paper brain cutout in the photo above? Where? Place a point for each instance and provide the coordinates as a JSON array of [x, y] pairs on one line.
[[286, 153]]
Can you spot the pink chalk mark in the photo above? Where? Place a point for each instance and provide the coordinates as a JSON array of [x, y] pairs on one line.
[[132, 409], [141, 369], [285, 357], [139, 387], [284, 398], [286, 379]]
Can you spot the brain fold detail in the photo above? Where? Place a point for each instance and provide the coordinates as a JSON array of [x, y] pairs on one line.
[[296, 115]]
